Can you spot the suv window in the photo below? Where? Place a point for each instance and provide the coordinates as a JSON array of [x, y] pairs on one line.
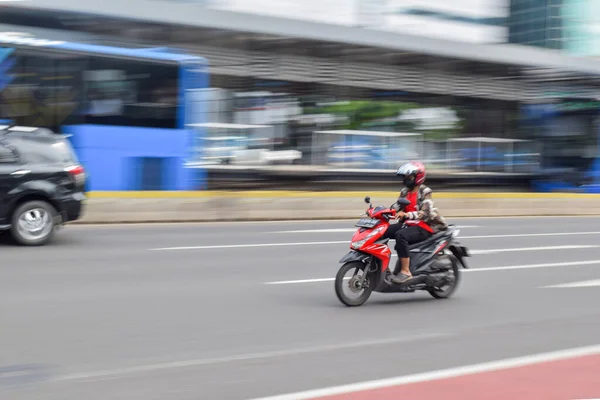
[[8, 155], [45, 150]]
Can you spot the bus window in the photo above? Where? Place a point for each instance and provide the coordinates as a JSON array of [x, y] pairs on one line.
[[130, 93]]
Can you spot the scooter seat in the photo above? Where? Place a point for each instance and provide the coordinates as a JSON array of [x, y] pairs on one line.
[[431, 240]]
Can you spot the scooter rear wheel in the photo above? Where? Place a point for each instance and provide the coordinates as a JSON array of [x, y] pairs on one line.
[[449, 290], [353, 284]]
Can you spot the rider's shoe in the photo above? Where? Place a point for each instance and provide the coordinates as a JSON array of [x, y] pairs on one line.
[[401, 278]]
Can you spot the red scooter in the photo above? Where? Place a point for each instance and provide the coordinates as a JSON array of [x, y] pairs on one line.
[[434, 262]]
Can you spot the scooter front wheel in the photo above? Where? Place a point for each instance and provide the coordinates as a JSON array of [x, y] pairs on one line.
[[353, 285]]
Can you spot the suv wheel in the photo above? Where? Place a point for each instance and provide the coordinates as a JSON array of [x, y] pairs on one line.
[[33, 223]]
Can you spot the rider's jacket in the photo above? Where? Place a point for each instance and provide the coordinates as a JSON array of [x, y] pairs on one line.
[[421, 211]]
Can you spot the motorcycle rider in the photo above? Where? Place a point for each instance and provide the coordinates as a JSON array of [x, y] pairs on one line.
[[421, 218]]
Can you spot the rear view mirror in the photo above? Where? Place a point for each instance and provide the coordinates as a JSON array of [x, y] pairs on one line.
[[368, 200], [403, 202]]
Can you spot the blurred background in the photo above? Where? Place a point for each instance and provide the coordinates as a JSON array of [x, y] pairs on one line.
[[317, 95]]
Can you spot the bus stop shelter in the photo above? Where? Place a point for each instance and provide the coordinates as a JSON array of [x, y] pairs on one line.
[[484, 156], [365, 149], [226, 143]]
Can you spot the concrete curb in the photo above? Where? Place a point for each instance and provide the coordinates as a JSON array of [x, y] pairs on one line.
[[170, 207]]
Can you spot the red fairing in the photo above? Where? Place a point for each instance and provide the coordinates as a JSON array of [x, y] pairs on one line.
[[380, 251], [358, 235], [380, 214], [376, 215]]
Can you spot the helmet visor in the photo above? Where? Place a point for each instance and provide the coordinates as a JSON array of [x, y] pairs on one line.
[[408, 180], [407, 169]]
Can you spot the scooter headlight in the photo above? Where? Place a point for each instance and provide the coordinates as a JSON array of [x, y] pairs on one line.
[[360, 243]]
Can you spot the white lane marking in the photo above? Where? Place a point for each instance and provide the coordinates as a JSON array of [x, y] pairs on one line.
[[530, 235], [591, 216], [490, 269], [580, 284], [245, 357], [533, 266], [541, 248], [345, 230], [350, 230], [300, 281], [517, 249], [442, 374], [240, 246]]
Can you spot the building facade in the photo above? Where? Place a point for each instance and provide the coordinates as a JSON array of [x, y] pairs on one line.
[[581, 20], [472, 21], [572, 26], [537, 23]]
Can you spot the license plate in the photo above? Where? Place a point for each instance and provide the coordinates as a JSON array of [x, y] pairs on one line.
[[367, 223]]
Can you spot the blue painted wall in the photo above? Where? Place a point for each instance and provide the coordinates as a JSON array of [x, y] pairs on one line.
[[114, 157]]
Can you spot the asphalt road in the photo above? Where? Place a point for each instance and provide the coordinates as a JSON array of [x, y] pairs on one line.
[[185, 312]]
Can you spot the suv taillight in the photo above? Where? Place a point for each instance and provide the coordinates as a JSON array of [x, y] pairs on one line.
[[78, 173]]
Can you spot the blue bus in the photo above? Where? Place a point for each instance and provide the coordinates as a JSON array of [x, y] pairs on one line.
[[126, 109]]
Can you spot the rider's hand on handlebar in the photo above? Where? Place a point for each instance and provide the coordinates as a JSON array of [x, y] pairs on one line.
[[400, 215]]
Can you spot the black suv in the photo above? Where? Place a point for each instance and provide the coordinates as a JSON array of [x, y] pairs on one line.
[[42, 185]]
